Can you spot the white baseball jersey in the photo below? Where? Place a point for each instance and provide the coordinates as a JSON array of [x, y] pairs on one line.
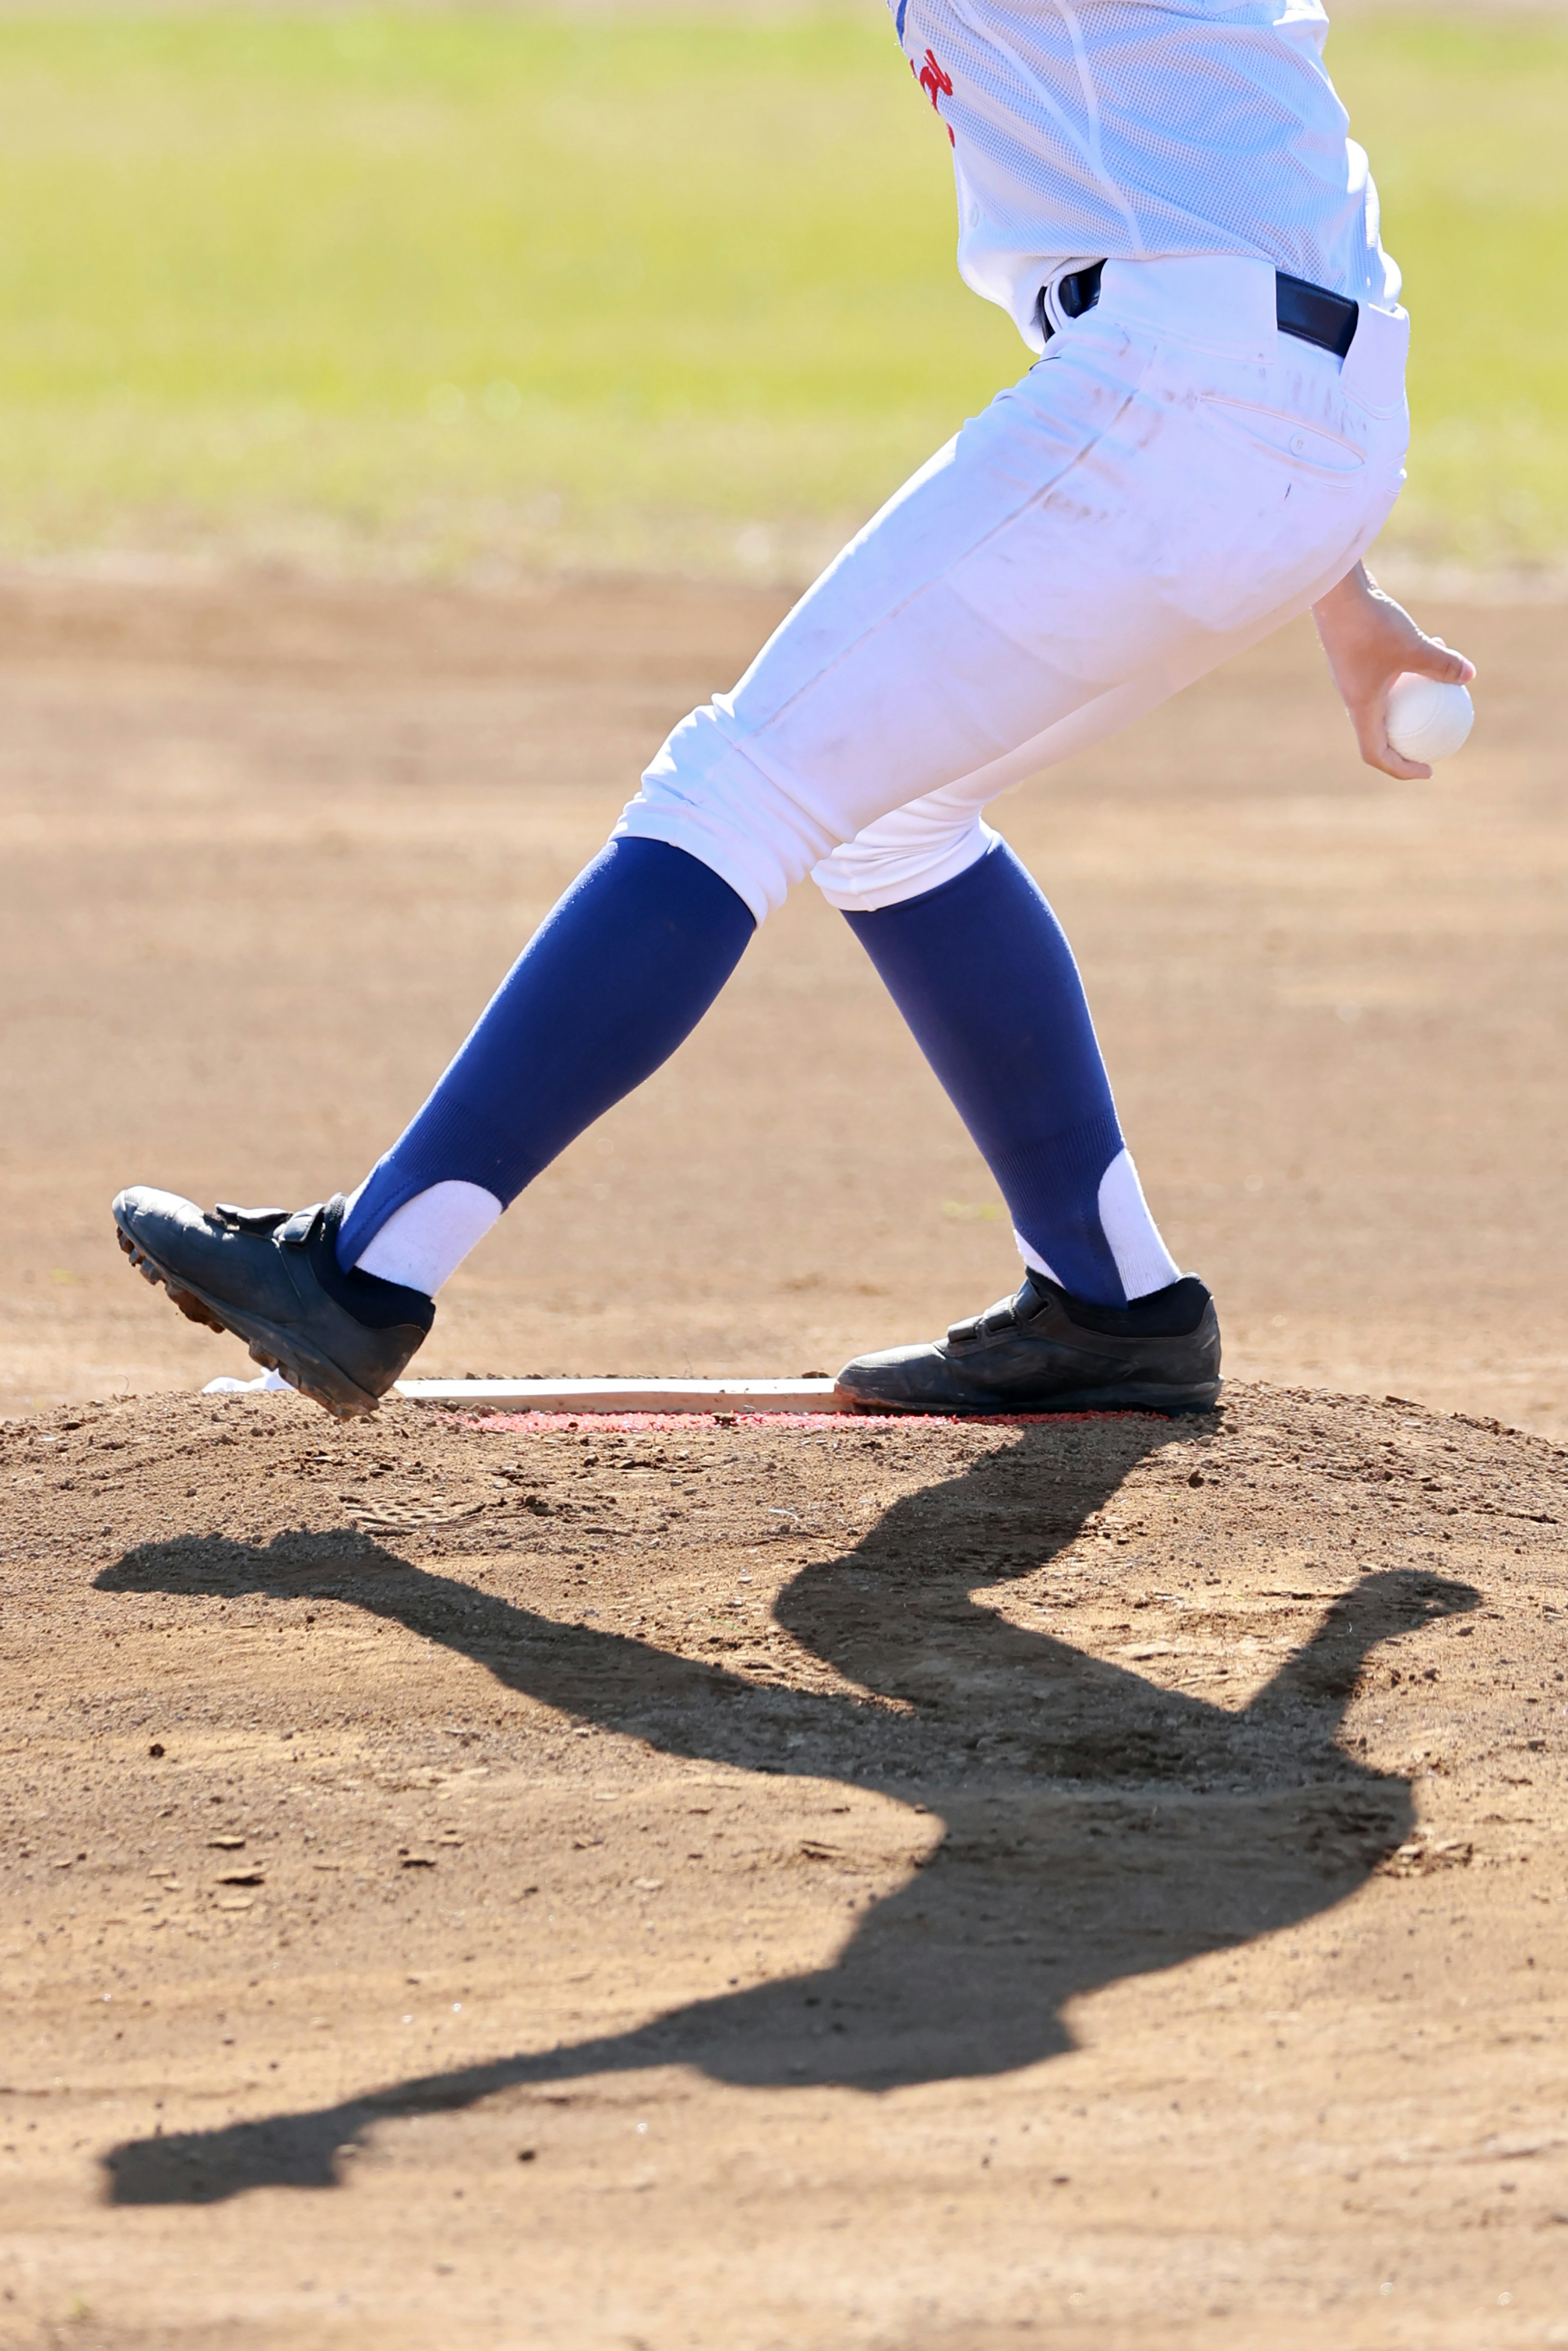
[[1141, 129]]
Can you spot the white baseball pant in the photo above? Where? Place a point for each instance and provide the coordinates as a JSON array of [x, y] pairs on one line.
[[1171, 482]]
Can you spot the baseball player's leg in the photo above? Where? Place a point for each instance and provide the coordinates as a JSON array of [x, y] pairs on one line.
[[984, 976], [978, 965], [1097, 529], [981, 969], [337, 1297], [982, 972], [612, 982]]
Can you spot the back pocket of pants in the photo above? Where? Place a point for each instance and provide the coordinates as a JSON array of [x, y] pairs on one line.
[[1286, 436]]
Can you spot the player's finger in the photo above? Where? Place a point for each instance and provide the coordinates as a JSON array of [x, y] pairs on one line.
[[1377, 751], [1381, 753], [1433, 658]]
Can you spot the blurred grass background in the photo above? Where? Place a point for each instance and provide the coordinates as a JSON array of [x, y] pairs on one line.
[[435, 291]]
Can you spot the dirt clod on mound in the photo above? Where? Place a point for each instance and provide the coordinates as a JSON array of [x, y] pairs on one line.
[[1164, 1820]]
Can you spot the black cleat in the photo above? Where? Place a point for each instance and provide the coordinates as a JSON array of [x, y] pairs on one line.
[[1045, 1352], [273, 1279]]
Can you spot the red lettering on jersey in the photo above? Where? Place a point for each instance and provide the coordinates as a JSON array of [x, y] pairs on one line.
[[932, 79], [936, 84]]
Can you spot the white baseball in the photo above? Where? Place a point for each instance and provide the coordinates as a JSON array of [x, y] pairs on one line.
[[1428, 720]]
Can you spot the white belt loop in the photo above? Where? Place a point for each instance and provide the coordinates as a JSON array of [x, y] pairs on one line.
[[1372, 373]]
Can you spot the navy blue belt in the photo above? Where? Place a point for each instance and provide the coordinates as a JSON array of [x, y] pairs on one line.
[[1308, 312]]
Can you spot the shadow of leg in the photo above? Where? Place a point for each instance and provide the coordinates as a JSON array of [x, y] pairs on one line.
[[1114, 1828]]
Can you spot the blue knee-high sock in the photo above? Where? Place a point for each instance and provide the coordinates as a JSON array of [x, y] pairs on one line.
[[611, 981], [982, 972]]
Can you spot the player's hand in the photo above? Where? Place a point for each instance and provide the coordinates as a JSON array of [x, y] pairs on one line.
[[1370, 640]]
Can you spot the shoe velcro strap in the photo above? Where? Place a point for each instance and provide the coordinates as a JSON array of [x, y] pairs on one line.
[[299, 1229], [989, 1325], [248, 1220]]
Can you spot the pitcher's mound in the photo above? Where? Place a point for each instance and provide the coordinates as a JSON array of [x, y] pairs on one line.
[[840, 1884]]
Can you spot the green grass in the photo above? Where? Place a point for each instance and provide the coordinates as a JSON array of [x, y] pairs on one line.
[[428, 289], [1467, 124]]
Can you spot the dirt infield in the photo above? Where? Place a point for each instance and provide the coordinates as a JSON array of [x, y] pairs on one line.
[[922, 1885], [267, 846], [755, 1888]]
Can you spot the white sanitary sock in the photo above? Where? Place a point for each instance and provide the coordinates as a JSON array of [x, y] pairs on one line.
[[423, 1243], [1142, 1258]]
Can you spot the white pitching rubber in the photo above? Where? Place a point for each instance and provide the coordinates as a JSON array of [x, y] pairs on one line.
[[631, 1395], [269, 1383]]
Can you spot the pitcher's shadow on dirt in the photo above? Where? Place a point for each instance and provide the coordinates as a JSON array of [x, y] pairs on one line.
[[1097, 1826]]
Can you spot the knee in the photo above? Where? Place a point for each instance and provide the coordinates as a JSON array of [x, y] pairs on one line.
[[710, 793], [902, 856]]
